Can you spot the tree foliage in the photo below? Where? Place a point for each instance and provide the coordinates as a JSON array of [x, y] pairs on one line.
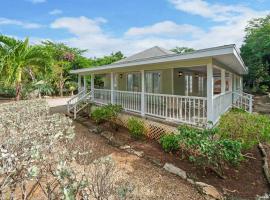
[[255, 52], [181, 50], [44, 67]]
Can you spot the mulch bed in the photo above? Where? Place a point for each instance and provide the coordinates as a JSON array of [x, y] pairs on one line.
[[245, 181]]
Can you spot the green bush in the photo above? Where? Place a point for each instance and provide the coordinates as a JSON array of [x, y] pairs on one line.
[[169, 142], [106, 113], [136, 127], [205, 149], [248, 128]]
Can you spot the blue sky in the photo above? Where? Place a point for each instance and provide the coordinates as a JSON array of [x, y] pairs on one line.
[[105, 26]]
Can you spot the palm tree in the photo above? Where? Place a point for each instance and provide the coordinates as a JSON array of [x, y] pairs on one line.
[[17, 57]]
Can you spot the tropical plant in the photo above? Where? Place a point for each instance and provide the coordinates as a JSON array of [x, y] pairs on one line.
[[248, 128], [106, 113], [206, 150], [181, 50], [136, 127], [17, 57], [169, 142]]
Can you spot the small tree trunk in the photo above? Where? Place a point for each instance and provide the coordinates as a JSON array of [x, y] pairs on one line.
[[19, 86], [18, 91], [72, 92]]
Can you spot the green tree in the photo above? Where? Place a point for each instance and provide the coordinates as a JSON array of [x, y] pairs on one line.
[[17, 59], [181, 50], [255, 52]]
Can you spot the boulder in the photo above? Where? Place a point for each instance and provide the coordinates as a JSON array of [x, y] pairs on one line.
[[175, 170], [210, 191], [95, 129]]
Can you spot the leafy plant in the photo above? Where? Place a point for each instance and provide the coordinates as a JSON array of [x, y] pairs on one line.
[[248, 128], [106, 113], [136, 127], [205, 149], [169, 142]]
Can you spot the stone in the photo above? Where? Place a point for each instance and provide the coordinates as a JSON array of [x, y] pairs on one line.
[[124, 147], [108, 135], [175, 170], [137, 153], [210, 191], [95, 129], [191, 181]]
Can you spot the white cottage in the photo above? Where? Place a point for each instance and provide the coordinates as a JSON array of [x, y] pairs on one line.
[[191, 88]]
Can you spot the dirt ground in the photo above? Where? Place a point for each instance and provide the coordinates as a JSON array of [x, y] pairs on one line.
[[149, 181], [245, 181]]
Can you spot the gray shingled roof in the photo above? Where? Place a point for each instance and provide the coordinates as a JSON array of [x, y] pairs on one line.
[[148, 53]]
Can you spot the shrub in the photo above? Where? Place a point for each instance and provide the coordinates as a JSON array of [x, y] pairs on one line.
[[109, 112], [169, 142], [248, 128], [136, 128], [205, 150]]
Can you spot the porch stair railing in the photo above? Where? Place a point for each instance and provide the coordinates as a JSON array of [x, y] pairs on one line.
[[78, 102], [243, 100]]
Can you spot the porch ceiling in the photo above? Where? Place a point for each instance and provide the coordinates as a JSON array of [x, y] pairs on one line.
[[226, 56]]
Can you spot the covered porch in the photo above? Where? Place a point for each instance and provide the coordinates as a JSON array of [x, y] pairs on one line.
[[176, 94], [192, 91]]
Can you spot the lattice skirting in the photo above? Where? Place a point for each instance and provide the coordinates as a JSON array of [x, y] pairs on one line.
[[153, 129]]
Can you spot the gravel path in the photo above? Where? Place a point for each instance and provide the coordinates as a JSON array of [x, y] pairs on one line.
[[54, 102]]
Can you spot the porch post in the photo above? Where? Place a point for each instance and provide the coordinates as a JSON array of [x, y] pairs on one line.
[[92, 86], [241, 83], [79, 83], [84, 83], [210, 91], [230, 82], [172, 74], [112, 88], [142, 94], [223, 81]]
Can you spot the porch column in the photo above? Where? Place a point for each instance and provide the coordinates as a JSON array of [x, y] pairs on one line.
[[230, 82], [210, 92], [79, 83], [84, 83], [112, 88], [142, 94], [92, 86], [223, 81], [241, 83]]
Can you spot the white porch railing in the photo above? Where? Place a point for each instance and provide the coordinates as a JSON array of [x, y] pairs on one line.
[[243, 100], [186, 109], [190, 110], [221, 103], [102, 96], [130, 101]]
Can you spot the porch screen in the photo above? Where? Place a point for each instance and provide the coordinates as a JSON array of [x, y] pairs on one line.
[[134, 82], [152, 82]]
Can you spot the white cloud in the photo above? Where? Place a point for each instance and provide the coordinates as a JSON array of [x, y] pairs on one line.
[[216, 12], [37, 1], [230, 22], [79, 26], [27, 25], [56, 12], [167, 28]]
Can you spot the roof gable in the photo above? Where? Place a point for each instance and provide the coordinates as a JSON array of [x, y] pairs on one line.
[[148, 53]]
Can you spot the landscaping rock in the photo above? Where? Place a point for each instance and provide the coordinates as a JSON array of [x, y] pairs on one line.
[[137, 153], [175, 170], [191, 181], [95, 129], [108, 135], [210, 191], [124, 147]]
